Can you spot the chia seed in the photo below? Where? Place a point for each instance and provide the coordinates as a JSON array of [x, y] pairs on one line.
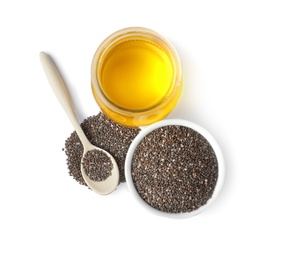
[[175, 169], [97, 165], [104, 133]]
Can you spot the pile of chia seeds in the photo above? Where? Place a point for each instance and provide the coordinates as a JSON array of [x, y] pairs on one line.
[[175, 169], [104, 133]]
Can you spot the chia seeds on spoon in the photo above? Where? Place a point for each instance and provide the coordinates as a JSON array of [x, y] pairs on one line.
[[175, 169], [97, 165], [105, 134]]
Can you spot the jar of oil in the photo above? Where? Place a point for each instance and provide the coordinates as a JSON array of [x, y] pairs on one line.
[[136, 77]]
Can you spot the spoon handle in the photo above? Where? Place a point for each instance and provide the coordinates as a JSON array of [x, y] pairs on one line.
[[62, 94]]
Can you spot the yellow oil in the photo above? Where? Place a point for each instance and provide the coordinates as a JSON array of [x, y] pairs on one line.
[[137, 74]]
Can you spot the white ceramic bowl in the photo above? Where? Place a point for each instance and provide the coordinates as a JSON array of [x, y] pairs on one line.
[[146, 131]]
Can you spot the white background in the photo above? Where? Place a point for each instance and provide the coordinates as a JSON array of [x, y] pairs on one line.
[[232, 55]]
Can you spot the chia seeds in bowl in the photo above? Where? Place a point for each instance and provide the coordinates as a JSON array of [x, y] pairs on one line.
[[174, 168]]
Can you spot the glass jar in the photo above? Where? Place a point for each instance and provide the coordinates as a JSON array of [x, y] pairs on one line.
[[136, 76]]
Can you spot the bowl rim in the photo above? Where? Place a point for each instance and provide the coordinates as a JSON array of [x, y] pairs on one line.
[[146, 131]]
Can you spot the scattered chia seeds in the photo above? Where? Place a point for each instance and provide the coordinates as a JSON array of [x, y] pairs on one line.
[[175, 169], [104, 133], [97, 165]]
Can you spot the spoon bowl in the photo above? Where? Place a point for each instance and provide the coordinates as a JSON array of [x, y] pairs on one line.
[[101, 187]]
